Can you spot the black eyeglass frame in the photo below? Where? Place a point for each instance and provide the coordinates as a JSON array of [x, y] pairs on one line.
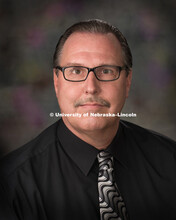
[[62, 69]]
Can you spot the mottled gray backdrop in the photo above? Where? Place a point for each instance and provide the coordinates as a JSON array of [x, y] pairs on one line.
[[29, 32]]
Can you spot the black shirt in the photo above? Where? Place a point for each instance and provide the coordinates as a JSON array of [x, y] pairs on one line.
[[54, 177]]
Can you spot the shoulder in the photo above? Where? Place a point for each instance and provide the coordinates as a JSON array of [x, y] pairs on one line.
[[143, 137], [150, 148], [35, 147]]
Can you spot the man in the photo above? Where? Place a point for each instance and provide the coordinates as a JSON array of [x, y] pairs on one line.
[[91, 167]]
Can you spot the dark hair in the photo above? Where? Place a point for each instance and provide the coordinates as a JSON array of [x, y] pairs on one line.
[[94, 26]]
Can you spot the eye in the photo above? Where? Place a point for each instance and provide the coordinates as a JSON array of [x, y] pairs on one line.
[[76, 70], [107, 71]]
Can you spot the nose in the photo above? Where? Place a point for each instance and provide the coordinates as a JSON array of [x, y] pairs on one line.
[[91, 85]]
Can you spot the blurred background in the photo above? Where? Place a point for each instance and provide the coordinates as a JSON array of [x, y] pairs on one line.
[[29, 32]]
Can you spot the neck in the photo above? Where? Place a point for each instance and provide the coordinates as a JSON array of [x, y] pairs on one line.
[[100, 138]]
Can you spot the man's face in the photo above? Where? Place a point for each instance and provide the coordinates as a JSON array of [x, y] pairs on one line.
[[91, 50]]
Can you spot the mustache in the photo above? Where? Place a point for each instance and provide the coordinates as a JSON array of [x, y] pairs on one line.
[[97, 100]]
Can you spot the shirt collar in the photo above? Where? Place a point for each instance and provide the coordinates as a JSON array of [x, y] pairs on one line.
[[84, 154], [118, 146]]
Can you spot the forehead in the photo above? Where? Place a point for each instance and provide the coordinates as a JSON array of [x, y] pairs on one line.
[[79, 43]]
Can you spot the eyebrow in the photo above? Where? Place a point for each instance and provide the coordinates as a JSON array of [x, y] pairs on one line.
[[74, 64], [79, 64]]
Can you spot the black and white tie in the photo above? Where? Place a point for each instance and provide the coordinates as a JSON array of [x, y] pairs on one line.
[[111, 204]]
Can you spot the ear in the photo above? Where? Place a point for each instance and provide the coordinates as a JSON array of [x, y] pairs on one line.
[[128, 82], [55, 78]]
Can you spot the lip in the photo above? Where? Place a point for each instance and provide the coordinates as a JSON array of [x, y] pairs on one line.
[[91, 105]]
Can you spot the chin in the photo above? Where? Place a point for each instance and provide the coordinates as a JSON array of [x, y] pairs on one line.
[[95, 124]]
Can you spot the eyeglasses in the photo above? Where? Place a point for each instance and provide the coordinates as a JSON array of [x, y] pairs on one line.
[[102, 73]]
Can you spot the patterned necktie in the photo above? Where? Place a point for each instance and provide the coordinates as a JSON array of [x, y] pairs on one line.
[[110, 201]]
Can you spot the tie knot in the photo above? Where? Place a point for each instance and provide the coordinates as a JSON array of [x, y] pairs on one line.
[[105, 160]]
